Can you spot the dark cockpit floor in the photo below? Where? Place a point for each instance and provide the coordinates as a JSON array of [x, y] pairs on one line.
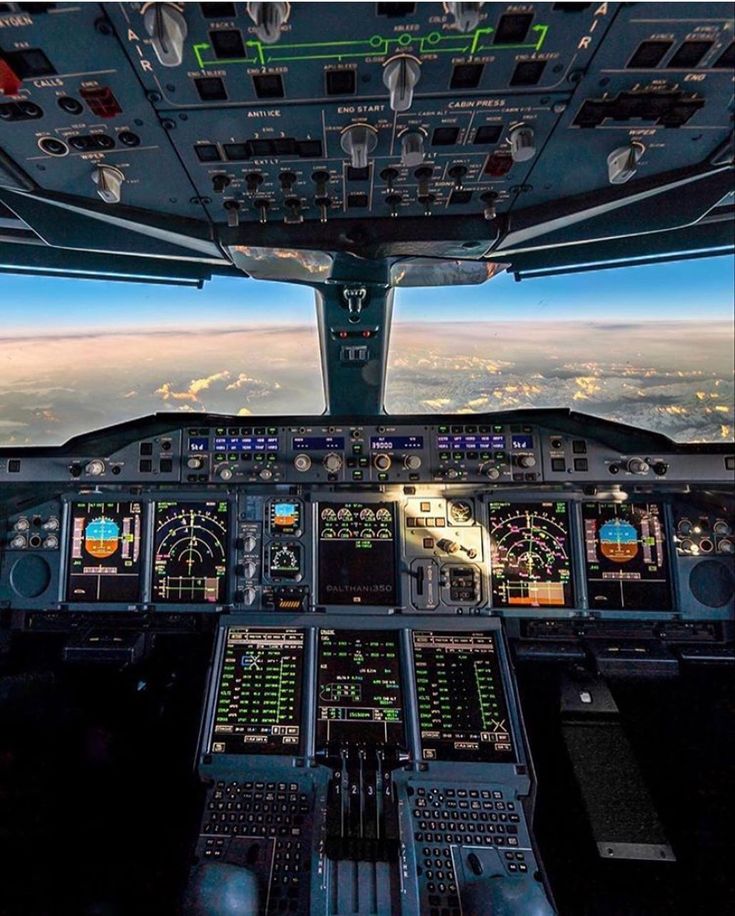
[[99, 804]]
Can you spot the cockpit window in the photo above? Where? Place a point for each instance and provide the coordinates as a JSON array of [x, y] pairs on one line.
[[80, 354], [651, 346]]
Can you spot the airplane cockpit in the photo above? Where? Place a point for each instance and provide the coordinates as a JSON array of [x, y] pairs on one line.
[[367, 520]]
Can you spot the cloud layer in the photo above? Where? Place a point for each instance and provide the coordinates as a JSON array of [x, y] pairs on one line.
[[675, 377]]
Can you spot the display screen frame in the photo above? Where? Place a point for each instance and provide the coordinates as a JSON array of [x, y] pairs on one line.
[[347, 633], [300, 702], [135, 597], [664, 602], [571, 592], [162, 500], [385, 592], [443, 752]]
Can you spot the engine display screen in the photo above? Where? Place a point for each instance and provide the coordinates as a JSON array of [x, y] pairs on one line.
[[357, 563], [396, 443], [529, 555], [105, 550], [472, 443], [359, 696], [318, 443], [190, 547], [258, 706], [625, 556], [463, 712]]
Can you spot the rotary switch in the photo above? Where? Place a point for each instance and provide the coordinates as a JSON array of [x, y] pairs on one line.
[[522, 144], [622, 163], [358, 141], [400, 75], [333, 462], [382, 461], [168, 30], [466, 15], [108, 179], [269, 19], [412, 148]]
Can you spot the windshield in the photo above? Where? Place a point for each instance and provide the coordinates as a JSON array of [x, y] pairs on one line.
[[80, 354], [649, 346]]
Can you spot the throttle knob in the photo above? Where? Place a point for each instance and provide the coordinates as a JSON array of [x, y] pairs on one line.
[[168, 30], [400, 75]]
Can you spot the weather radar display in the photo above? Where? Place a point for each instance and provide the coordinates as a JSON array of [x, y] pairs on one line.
[[625, 556], [529, 550], [190, 551], [105, 552]]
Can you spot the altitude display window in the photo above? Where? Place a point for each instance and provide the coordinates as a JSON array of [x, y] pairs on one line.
[[625, 556], [105, 547], [359, 696], [190, 543], [463, 712], [357, 562], [258, 706], [529, 555]]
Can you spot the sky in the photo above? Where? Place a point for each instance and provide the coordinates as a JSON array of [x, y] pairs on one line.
[[651, 345]]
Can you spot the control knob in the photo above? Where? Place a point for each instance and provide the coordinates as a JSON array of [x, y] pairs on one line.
[[522, 144], [108, 179], [194, 463], [168, 30], [492, 473], [466, 15], [18, 542], [248, 596], [400, 75], [265, 474], [302, 463], [636, 466], [269, 19], [249, 543], [51, 542], [333, 462], [526, 461], [248, 570], [382, 461], [52, 524], [721, 527], [412, 462], [225, 472], [358, 141], [622, 163], [95, 467], [412, 148], [22, 524], [726, 546]]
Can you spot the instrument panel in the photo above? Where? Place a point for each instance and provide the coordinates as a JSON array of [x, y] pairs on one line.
[[461, 516]]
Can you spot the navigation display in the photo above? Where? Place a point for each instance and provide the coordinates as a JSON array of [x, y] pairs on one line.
[[190, 546], [359, 697], [105, 551], [258, 707], [625, 556], [463, 713], [357, 563], [529, 555]]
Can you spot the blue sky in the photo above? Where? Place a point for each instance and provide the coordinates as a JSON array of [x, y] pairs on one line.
[[692, 289]]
